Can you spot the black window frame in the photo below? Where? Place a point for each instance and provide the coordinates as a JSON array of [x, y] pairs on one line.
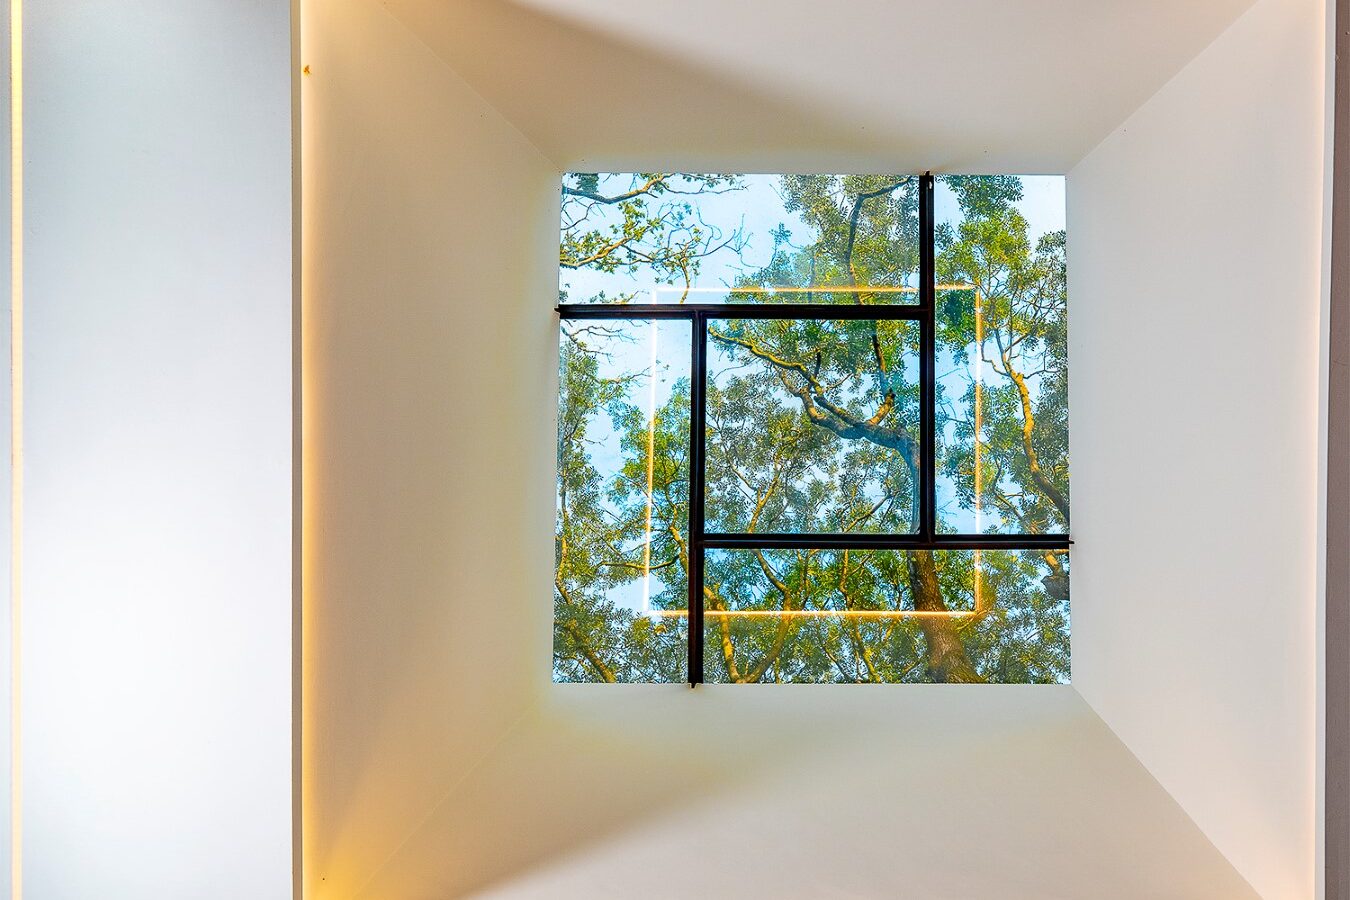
[[923, 312]]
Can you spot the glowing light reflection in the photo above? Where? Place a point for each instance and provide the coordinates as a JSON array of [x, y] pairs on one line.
[[651, 468], [977, 364], [816, 613]]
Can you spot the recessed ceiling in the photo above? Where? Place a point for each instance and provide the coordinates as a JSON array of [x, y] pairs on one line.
[[791, 85]]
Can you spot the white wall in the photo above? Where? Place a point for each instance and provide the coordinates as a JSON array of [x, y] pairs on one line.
[[430, 359], [439, 759], [158, 602], [1195, 239]]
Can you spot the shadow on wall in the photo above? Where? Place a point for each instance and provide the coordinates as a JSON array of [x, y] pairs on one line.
[[793, 86], [706, 118]]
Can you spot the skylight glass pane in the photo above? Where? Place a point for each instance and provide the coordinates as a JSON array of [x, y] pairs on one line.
[[812, 426], [886, 616], [1002, 355], [620, 589], [683, 238], [684, 293]]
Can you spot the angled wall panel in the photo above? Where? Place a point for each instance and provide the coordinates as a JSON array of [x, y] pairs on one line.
[[1195, 236], [430, 231]]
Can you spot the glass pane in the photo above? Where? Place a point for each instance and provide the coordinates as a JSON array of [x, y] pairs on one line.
[[812, 426], [686, 238], [887, 616], [1002, 355], [620, 596]]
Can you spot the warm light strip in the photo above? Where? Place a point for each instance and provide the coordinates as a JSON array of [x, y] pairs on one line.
[[822, 289], [977, 363], [651, 469], [815, 613], [16, 445]]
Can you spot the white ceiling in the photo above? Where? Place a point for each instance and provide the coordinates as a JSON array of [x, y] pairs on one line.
[[783, 85]]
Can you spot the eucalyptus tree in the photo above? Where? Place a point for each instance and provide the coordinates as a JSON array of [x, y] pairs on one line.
[[813, 427]]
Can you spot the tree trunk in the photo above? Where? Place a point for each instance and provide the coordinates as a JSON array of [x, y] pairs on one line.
[[947, 659]]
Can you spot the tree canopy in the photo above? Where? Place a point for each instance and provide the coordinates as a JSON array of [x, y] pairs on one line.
[[812, 426]]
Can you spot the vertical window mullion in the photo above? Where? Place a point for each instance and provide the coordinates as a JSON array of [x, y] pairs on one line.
[[698, 383], [927, 364]]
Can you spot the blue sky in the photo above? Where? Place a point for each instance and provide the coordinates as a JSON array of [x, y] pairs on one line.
[[758, 209]]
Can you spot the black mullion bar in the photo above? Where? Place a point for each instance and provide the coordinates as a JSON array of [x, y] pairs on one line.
[[888, 541], [997, 541], [698, 383], [927, 239], [927, 364], [622, 311], [910, 312]]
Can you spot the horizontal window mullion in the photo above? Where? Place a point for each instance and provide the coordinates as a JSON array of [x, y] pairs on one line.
[[1002, 542], [887, 541], [624, 311], [741, 311]]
